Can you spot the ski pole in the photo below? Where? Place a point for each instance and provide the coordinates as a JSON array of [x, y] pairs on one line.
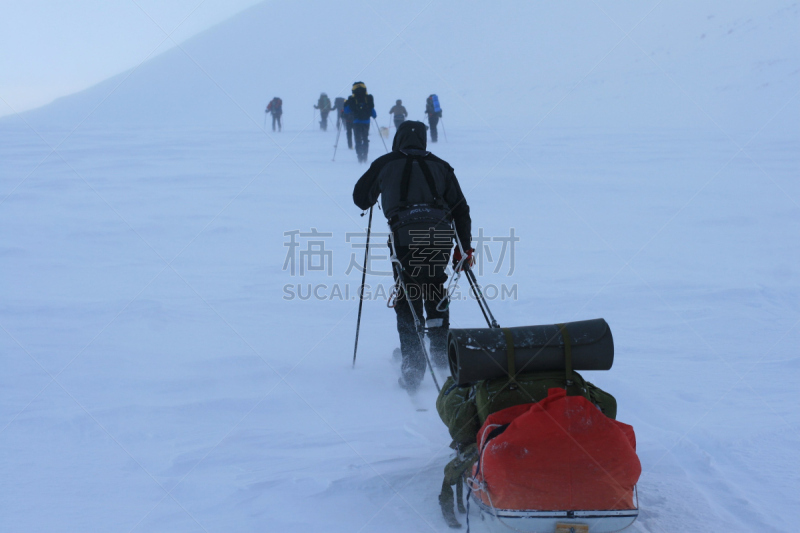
[[265, 120], [487, 314], [444, 130], [473, 282], [361, 290], [335, 146], [379, 134]]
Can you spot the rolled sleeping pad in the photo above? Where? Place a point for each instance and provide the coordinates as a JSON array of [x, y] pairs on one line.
[[476, 354]]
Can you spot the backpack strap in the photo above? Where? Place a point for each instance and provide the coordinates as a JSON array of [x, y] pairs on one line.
[[426, 171], [434, 211]]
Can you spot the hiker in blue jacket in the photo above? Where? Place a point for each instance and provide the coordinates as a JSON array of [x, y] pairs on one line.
[[362, 108]]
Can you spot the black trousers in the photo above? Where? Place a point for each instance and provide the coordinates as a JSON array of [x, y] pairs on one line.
[[361, 134], [398, 119], [323, 122], [433, 121], [349, 126], [425, 278], [276, 118], [341, 122]]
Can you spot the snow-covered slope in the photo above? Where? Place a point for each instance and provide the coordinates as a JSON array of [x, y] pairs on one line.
[[600, 64], [156, 375]]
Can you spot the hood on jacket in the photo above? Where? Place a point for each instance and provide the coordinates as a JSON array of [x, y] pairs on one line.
[[411, 135]]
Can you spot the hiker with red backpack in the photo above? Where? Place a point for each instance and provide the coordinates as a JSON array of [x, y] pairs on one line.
[[275, 107], [361, 107], [434, 112]]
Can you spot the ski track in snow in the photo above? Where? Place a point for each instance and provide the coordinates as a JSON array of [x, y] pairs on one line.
[[171, 378]]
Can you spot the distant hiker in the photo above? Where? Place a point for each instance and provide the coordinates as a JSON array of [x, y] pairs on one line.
[[344, 121], [434, 112], [361, 107], [324, 106], [338, 105], [276, 108], [399, 113], [420, 195]]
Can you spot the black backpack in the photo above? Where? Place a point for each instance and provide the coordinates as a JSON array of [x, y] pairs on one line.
[[362, 107], [411, 221]]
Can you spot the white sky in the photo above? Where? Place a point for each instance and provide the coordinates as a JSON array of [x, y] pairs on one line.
[[51, 48]]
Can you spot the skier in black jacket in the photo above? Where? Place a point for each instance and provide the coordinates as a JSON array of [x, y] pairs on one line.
[[420, 195], [344, 121]]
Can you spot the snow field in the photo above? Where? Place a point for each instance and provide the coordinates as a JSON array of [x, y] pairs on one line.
[[145, 273], [155, 378]]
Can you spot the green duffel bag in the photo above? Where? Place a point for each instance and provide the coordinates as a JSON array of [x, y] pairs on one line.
[[498, 394], [605, 401], [456, 407]]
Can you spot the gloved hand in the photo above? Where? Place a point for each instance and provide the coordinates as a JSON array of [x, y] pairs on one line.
[[469, 261]]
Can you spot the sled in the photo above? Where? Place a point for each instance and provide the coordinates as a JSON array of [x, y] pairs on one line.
[[532, 521], [565, 465], [534, 473]]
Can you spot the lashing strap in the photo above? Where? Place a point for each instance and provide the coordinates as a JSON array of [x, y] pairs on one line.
[[567, 354], [512, 367], [496, 432], [454, 475]]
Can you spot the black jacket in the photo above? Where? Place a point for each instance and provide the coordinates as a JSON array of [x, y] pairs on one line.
[[385, 175]]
